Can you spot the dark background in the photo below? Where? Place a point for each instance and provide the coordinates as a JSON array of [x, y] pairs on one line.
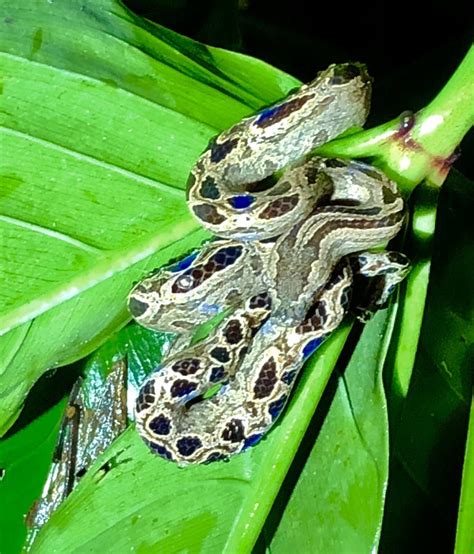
[[410, 50]]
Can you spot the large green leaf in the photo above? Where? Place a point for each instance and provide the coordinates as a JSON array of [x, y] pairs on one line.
[[337, 503], [429, 436], [103, 114], [25, 458]]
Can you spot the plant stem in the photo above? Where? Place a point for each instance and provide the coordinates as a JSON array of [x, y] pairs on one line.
[[421, 146]]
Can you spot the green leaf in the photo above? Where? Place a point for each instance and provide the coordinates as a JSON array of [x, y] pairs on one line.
[[429, 436], [337, 503], [465, 528], [99, 131], [25, 458]]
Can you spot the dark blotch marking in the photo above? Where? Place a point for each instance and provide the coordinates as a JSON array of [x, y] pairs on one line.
[[275, 114], [188, 445], [311, 172], [160, 425], [266, 379], [315, 318], [347, 202], [217, 374], [160, 450], [398, 258], [190, 184], [209, 189], [146, 396], [388, 195], [335, 163], [260, 301], [149, 387], [242, 352], [369, 171], [215, 457], [189, 366], [208, 213], [288, 376], [279, 207], [225, 257], [234, 431], [220, 354], [233, 332], [217, 262], [220, 150], [137, 307], [182, 387], [263, 185], [275, 408]]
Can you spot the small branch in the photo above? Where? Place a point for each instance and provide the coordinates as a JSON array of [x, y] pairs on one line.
[[420, 146]]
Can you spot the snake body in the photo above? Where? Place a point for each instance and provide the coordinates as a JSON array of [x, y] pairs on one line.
[[283, 268]]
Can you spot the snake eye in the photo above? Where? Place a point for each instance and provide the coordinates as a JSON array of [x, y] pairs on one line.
[[185, 282]]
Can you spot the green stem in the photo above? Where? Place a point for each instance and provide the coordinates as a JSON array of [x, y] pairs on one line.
[[421, 146]]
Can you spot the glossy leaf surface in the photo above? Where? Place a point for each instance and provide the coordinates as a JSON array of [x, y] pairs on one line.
[[99, 131]]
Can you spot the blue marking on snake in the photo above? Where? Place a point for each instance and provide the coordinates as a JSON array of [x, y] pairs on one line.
[[209, 309], [268, 113], [268, 328], [184, 263], [277, 406], [312, 346], [241, 202], [252, 440]]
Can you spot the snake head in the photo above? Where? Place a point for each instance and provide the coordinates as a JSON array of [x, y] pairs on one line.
[[156, 303], [182, 295]]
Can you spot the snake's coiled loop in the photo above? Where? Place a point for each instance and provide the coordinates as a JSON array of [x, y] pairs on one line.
[[290, 248]]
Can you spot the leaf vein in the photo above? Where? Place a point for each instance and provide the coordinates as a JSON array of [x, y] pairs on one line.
[[41, 229], [94, 161]]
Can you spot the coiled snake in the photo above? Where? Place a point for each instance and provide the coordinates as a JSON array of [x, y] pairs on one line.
[[293, 233]]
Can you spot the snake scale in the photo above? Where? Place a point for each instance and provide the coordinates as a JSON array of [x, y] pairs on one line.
[[293, 232]]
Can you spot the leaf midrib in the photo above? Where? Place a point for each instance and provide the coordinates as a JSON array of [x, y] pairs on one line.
[[106, 267]]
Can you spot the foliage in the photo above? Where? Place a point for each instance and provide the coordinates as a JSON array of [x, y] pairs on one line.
[[103, 115]]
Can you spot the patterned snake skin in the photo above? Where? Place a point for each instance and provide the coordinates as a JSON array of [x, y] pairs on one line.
[[293, 233]]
